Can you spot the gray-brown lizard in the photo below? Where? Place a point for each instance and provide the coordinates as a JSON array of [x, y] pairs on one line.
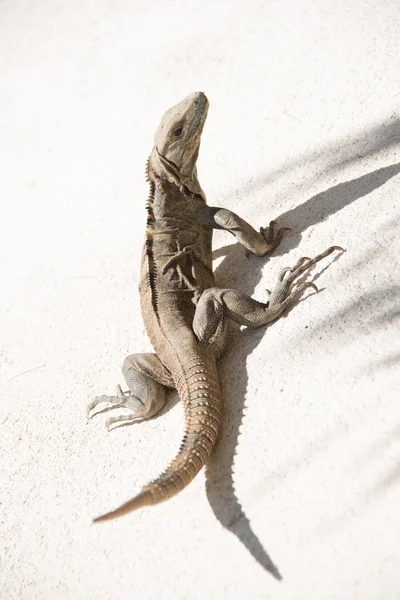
[[184, 313]]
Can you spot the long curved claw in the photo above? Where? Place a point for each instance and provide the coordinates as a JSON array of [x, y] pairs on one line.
[[310, 284], [279, 235], [95, 403], [302, 288], [283, 272], [302, 262], [305, 263], [292, 270], [121, 419], [271, 237]]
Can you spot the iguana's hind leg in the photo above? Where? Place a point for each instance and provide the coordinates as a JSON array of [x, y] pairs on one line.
[[216, 303], [147, 380]]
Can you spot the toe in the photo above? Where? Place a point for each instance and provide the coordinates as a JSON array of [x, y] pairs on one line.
[[98, 400], [119, 392]]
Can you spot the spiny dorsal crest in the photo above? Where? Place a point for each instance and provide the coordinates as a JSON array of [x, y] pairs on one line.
[[150, 198], [151, 267]]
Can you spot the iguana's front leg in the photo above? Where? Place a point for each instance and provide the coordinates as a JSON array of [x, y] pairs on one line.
[[147, 379], [215, 303], [259, 243]]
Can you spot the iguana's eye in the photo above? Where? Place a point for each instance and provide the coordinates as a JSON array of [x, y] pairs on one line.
[[178, 131]]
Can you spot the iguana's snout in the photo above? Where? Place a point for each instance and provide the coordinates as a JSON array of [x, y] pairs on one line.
[[177, 138]]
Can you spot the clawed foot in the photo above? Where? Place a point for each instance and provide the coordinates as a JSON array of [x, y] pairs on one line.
[[287, 288], [272, 238], [121, 400]]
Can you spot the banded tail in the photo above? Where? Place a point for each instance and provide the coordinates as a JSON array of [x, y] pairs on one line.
[[198, 386]]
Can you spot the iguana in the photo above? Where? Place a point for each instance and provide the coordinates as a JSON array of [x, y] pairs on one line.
[[184, 313]]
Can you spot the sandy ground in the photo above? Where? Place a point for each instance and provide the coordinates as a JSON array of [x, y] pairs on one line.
[[302, 496]]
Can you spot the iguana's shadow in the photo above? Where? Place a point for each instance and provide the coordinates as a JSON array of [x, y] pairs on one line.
[[219, 471]]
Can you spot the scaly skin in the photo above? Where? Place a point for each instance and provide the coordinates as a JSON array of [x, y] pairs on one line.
[[183, 311]]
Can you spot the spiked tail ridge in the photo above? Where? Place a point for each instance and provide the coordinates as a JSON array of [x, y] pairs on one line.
[[198, 387], [197, 383]]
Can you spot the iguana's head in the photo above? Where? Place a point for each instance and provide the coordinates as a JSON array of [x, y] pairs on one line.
[[177, 139]]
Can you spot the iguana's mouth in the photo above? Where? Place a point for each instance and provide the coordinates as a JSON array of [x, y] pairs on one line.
[[168, 163]]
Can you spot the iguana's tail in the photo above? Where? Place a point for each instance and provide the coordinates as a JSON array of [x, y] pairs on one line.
[[198, 386]]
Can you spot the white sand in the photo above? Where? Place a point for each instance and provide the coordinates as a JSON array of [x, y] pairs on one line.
[[304, 126]]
